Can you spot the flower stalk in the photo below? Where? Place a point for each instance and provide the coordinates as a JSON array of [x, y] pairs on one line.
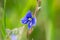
[[37, 7]]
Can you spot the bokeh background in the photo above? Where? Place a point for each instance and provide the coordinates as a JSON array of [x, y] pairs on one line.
[[48, 19]]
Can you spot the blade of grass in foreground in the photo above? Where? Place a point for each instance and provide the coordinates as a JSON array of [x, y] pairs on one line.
[[49, 24], [3, 24]]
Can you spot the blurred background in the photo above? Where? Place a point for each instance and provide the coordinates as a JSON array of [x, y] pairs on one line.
[[48, 20]]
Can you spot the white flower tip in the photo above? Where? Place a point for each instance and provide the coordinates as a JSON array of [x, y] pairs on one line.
[[39, 8]]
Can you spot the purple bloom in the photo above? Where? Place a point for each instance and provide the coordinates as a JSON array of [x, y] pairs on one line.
[[28, 19], [13, 37]]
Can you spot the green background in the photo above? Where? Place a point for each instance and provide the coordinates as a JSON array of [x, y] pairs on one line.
[[48, 18]]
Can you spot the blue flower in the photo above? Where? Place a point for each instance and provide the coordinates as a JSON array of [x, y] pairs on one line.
[[28, 19]]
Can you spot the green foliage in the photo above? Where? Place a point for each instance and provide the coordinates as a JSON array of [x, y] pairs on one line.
[[15, 10]]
